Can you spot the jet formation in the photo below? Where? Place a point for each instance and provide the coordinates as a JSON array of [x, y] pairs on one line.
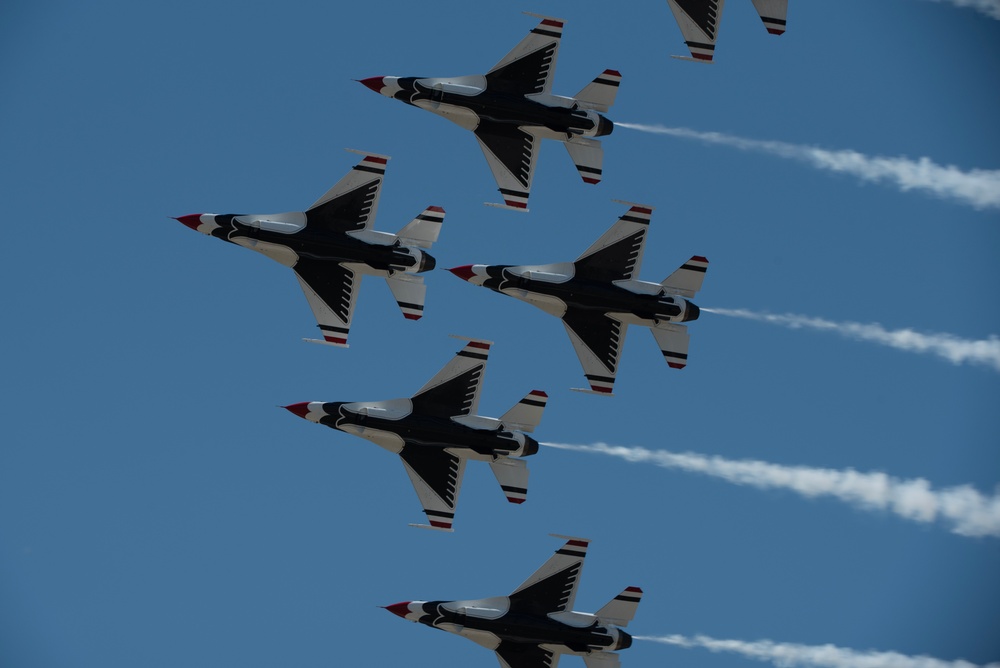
[[597, 298], [699, 22], [437, 430], [536, 623], [511, 108], [331, 245]]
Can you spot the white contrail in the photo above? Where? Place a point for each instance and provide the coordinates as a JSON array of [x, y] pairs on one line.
[[989, 7], [969, 512], [952, 348], [812, 656], [978, 187]]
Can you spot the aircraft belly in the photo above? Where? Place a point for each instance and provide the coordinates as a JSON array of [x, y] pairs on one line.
[[547, 303], [384, 439], [281, 254], [460, 116], [632, 319], [484, 638]]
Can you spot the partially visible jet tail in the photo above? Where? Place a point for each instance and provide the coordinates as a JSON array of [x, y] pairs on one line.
[[621, 609], [687, 280], [600, 93], [773, 13], [423, 230], [527, 413], [410, 293], [512, 474]]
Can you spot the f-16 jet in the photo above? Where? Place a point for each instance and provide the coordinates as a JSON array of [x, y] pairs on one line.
[[331, 245], [535, 625], [699, 22], [597, 297], [437, 430], [511, 109]]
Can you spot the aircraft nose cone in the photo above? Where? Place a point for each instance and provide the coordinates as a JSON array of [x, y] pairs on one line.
[[192, 220], [464, 272], [301, 409], [374, 83], [399, 609]]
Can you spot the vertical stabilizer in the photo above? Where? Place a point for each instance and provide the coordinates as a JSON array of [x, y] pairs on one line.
[[526, 414], [423, 230]]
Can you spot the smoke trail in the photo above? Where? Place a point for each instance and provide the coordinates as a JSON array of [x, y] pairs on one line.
[[957, 351], [989, 7], [811, 656], [978, 187], [969, 512]]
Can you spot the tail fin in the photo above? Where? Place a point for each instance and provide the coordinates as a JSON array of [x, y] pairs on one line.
[[410, 293], [512, 474], [423, 230], [527, 413], [600, 93], [621, 609], [587, 155], [773, 14], [686, 281]]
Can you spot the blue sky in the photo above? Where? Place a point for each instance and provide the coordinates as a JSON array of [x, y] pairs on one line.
[[156, 509]]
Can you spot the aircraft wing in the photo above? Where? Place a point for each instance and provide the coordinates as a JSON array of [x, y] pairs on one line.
[[510, 151], [437, 477], [528, 68], [332, 291], [699, 23], [597, 339], [552, 588], [350, 205], [617, 255], [524, 655], [773, 14], [454, 390]]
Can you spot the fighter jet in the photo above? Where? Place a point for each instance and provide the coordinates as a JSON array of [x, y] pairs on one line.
[[699, 22], [437, 430], [536, 624], [511, 109], [330, 245], [597, 298]]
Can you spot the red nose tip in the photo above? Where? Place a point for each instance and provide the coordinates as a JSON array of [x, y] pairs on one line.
[[399, 609], [464, 272], [375, 83], [301, 409], [192, 220]]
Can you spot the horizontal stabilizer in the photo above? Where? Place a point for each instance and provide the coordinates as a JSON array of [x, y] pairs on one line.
[[621, 609], [527, 413], [600, 93], [428, 526], [673, 342], [773, 13], [686, 281], [601, 660], [512, 474], [423, 230], [587, 155], [409, 292]]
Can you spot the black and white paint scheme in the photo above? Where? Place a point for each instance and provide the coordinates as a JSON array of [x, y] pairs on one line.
[[699, 22], [511, 109], [597, 297], [437, 430], [536, 624], [332, 244]]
